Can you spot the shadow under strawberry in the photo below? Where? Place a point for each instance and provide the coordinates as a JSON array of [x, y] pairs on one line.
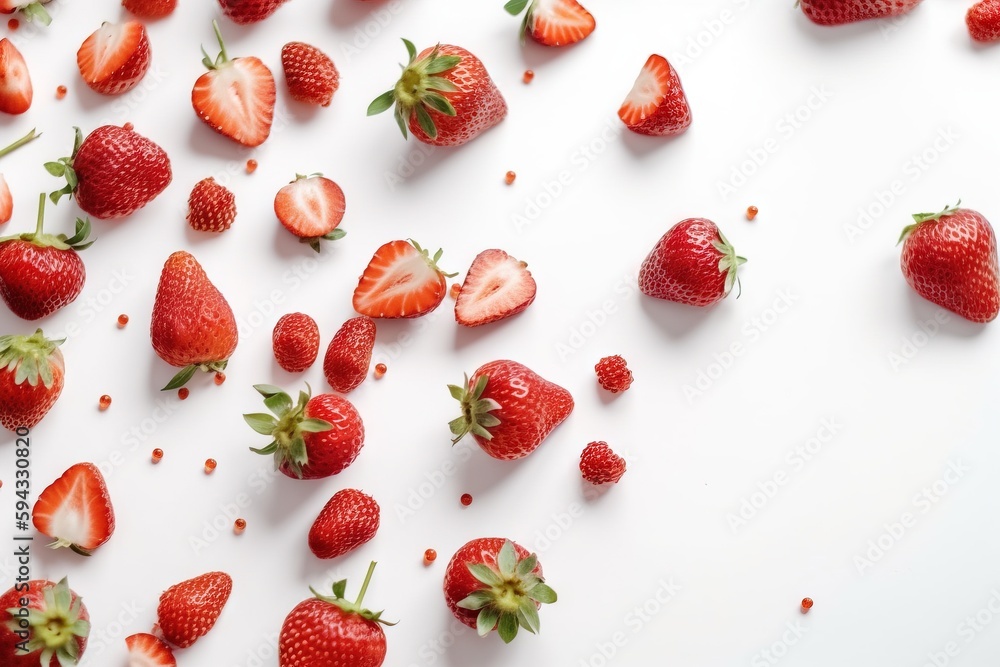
[[347, 13]]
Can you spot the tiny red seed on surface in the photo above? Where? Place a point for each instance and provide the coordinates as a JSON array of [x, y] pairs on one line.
[[220, 377], [466, 499], [752, 212], [128, 126], [183, 393], [509, 177], [529, 75], [122, 320], [251, 166], [13, 24], [455, 290], [105, 402], [380, 370], [807, 604], [60, 92], [210, 465], [430, 556], [239, 526], [157, 455]]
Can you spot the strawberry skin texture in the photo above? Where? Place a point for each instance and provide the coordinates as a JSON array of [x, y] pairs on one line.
[[318, 634], [295, 342], [129, 72], [244, 12], [459, 582], [839, 12], [311, 76], [600, 465], [150, 9], [15, 83], [35, 281], [26, 403], [349, 519], [330, 452], [188, 610], [211, 206], [78, 502], [983, 20], [350, 354], [672, 113], [34, 592]]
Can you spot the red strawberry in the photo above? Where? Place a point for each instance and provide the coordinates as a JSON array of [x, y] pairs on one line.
[[311, 76], [349, 354], [613, 374], [401, 280], [32, 371], [30, 9], [295, 342], [315, 438], [188, 610], [509, 409], [445, 95], [235, 97], [494, 584], [333, 632], [249, 11], [983, 19], [950, 258], [6, 201], [75, 510], [150, 9], [496, 286], [692, 263], [146, 650], [15, 82], [838, 12], [57, 625], [311, 207], [553, 22], [349, 519], [600, 465], [192, 326], [656, 105], [211, 207], [115, 57], [113, 172]]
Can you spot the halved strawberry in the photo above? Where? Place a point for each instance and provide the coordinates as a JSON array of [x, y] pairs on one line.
[[402, 280], [553, 22], [496, 286], [115, 57], [656, 105], [311, 207], [75, 510], [146, 650], [15, 83], [6, 201]]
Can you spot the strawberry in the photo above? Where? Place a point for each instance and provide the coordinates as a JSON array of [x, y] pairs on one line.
[[311, 76], [113, 172], [553, 22], [950, 258], [333, 632], [496, 286], [235, 97], [401, 280], [656, 105], [311, 207], [613, 374], [75, 510], [249, 11], [146, 650], [450, 83], [495, 584], [211, 207], [509, 409], [114, 58], [15, 82], [315, 438], [349, 519], [349, 354], [600, 465], [983, 20], [30, 9], [295, 342], [192, 326], [6, 201], [188, 610], [150, 9], [32, 372], [839, 12], [692, 263], [47, 618]]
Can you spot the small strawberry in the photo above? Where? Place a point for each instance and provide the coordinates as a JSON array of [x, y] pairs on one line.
[[75, 510], [146, 650], [114, 58], [613, 374], [235, 97], [150, 9], [349, 519], [495, 584], [211, 206], [249, 11], [192, 326], [983, 20], [315, 438], [188, 610], [30, 9], [333, 632], [15, 82], [497, 286], [401, 280], [32, 372], [950, 258], [311, 76], [509, 409], [692, 263], [553, 22], [839, 12], [48, 619], [311, 207], [450, 83], [349, 354], [600, 465], [295, 342], [656, 105]]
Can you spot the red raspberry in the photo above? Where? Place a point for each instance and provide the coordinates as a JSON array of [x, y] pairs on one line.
[[613, 374], [600, 465]]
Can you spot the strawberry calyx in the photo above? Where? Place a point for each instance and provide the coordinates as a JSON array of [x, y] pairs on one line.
[[432, 261], [28, 357], [419, 90], [509, 596], [56, 627], [476, 417], [186, 373], [338, 600], [35, 10], [79, 240], [729, 263], [220, 60], [287, 425], [515, 7], [63, 168], [921, 218]]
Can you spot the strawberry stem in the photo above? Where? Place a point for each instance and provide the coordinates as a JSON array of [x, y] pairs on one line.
[[364, 586], [41, 214], [222, 44], [29, 137]]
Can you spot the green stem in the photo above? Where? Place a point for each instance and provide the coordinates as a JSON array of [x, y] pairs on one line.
[[222, 45], [364, 586], [30, 136], [41, 214]]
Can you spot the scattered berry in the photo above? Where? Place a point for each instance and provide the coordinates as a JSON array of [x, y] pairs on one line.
[[211, 207], [60, 92], [430, 556], [239, 526], [456, 289], [220, 377], [380, 370], [13, 24], [311, 76], [157, 455], [807, 604], [251, 166], [613, 374], [983, 20], [529, 75], [105, 402], [466, 499], [128, 126], [210, 465], [183, 393], [295, 342], [752, 212], [509, 177], [122, 320], [600, 465]]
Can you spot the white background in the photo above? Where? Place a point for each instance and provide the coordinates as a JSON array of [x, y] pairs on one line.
[[881, 95]]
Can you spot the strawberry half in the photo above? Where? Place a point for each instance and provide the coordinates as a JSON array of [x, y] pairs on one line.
[[51, 631], [15, 82], [150, 9], [114, 58], [553, 22], [75, 510], [401, 280], [188, 610], [983, 21], [32, 372], [656, 105], [839, 12], [349, 519], [146, 650], [496, 286], [311, 207]]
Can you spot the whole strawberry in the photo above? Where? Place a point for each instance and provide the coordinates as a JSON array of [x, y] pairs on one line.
[[983, 20], [600, 465], [349, 519], [311, 76], [445, 95], [295, 342], [47, 618], [192, 326], [41, 273], [32, 372], [249, 11], [613, 374], [316, 437], [495, 584], [349, 354], [188, 610], [211, 206], [692, 263], [150, 9], [839, 12], [508, 409], [950, 258], [333, 632]]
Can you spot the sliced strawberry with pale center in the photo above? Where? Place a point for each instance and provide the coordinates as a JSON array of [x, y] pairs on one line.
[[6, 201], [401, 280], [75, 510], [497, 286], [648, 92], [560, 22], [146, 650], [237, 100], [310, 207], [15, 83], [108, 49]]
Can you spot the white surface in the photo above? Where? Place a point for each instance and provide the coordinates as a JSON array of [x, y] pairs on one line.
[[891, 88]]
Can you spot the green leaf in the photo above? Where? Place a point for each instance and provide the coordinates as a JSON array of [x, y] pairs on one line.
[[459, 426], [57, 169], [443, 64], [475, 601], [440, 83], [297, 451], [507, 627], [515, 7], [261, 422], [527, 614], [425, 121], [314, 425], [458, 393], [480, 386], [507, 560], [337, 233], [439, 103], [270, 449], [181, 378], [527, 566], [279, 403], [411, 50], [485, 574], [542, 593], [381, 103], [340, 588], [398, 115], [267, 390], [487, 620]]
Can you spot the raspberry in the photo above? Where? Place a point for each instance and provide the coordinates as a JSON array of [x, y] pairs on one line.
[[600, 465], [613, 374]]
